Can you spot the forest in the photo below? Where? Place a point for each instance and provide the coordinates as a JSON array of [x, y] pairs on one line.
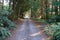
[[42, 11]]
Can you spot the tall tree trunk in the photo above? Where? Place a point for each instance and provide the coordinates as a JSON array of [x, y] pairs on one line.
[[56, 9], [52, 10], [14, 6], [9, 4], [17, 8], [46, 7], [59, 8], [2, 4], [41, 7]]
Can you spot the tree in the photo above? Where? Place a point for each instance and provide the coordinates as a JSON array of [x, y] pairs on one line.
[[46, 8]]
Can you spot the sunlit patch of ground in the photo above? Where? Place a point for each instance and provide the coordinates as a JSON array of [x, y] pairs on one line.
[[36, 34], [23, 38]]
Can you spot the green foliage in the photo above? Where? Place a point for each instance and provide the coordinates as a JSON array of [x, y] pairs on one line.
[[54, 10], [25, 5], [56, 35], [56, 3], [4, 33], [5, 24], [35, 6], [4, 13], [53, 30]]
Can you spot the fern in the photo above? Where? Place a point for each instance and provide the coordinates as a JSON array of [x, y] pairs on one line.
[[54, 31], [4, 33]]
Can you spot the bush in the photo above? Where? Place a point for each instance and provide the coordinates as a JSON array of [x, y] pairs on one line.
[[5, 25], [51, 21], [4, 33], [53, 31]]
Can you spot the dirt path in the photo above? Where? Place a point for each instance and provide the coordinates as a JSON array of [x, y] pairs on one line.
[[28, 30]]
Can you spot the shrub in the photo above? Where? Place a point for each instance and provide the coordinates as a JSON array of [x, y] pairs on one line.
[[4, 33], [5, 25], [53, 31]]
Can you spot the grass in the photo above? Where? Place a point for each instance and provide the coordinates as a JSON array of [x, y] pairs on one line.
[[39, 20]]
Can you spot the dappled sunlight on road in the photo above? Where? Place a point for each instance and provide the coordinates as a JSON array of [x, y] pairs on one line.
[[27, 31], [38, 26], [36, 34], [23, 38]]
